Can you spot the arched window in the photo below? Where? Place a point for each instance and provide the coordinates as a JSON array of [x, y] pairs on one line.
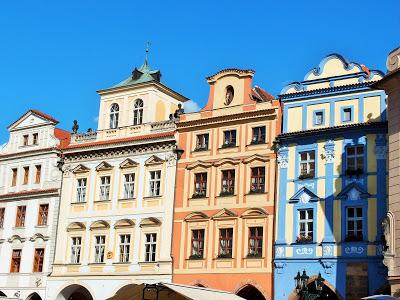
[[114, 114], [138, 112]]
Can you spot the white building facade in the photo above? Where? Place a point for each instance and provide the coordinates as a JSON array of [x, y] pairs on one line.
[[30, 182], [117, 199]]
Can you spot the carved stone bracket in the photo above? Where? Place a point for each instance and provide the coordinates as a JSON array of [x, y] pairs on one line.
[[283, 157], [279, 266], [327, 265], [329, 152]]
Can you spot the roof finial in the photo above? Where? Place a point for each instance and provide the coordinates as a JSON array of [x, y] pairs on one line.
[[146, 62]]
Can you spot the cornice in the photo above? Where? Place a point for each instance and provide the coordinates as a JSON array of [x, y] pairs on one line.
[[29, 153], [27, 194]]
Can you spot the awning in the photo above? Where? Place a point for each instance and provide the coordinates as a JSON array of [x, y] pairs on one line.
[[171, 291]]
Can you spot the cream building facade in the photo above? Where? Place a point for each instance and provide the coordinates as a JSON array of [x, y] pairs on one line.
[[30, 182], [117, 197]]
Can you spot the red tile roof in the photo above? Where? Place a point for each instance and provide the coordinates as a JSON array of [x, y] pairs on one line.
[[43, 115], [261, 94], [63, 136]]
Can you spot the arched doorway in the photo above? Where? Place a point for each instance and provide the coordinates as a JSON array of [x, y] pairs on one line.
[[74, 292], [34, 296], [326, 293], [250, 292]]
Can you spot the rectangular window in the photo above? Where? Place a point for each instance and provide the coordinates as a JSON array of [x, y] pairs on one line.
[[15, 260], [38, 173], [155, 183], [229, 139], [38, 260], [81, 190], [35, 138], [76, 246], [21, 213], [257, 180], [355, 160], [25, 140], [306, 221], [225, 242], [150, 247], [228, 182], [319, 118], [43, 214], [124, 247], [14, 177], [129, 186], [197, 243], [347, 114], [255, 241], [2, 214], [354, 224], [307, 164], [202, 142], [26, 175], [258, 135], [200, 185], [105, 188], [99, 248]]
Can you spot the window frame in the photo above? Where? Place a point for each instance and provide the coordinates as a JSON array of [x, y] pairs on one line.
[[356, 237], [261, 187], [197, 251], [305, 238], [99, 248], [343, 114], [225, 251], [21, 216], [259, 137], [43, 214], [76, 250], [124, 248], [26, 175], [105, 188], [38, 173], [150, 247], [81, 190], [315, 115], [16, 258], [14, 177], [200, 192], [229, 138], [202, 142], [114, 116], [258, 238], [25, 140], [308, 161], [35, 138], [38, 260], [155, 183], [138, 112], [355, 171], [129, 186], [229, 187]]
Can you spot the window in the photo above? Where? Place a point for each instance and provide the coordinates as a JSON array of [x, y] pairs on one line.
[[155, 183], [21, 213], [129, 186], [124, 247], [35, 138], [354, 224], [258, 135], [14, 177], [200, 185], [202, 142], [319, 118], [228, 182], [16, 260], [305, 226], [114, 115], [138, 112], [76, 250], [150, 247], [2, 214], [197, 243], [43, 214], [355, 160], [99, 248], [347, 114], [105, 188], [25, 140], [38, 260], [26, 175], [257, 180], [255, 241], [307, 164], [225, 242], [229, 139], [38, 174], [81, 190]]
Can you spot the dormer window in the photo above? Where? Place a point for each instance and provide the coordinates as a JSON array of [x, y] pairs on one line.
[[114, 115], [35, 138], [25, 140], [138, 112]]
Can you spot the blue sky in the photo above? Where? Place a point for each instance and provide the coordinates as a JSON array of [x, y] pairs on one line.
[[54, 55]]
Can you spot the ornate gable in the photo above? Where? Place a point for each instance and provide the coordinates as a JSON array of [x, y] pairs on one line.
[[76, 226], [154, 160], [254, 157], [128, 163], [104, 166], [199, 164], [227, 161], [254, 213], [80, 169], [353, 191], [196, 217], [32, 118], [224, 213], [304, 195], [124, 223]]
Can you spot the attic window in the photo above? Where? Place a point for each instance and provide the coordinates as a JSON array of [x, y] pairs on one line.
[[230, 93]]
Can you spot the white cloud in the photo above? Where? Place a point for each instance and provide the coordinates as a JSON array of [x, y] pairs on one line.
[[191, 106]]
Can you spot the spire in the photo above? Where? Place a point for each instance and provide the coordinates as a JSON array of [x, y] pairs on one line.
[[145, 65]]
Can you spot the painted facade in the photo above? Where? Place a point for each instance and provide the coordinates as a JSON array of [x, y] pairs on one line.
[[391, 84], [118, 192], [332, 181], [30, 182], [224, 198]]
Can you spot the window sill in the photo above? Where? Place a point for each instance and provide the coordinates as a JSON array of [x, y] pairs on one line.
[[224, 258], [306, 177], [256, 143], [41, 226], [148, 262], [256, 193], [18, 227], [200, 150], [198, 198], [122, 263], [150, 197], [100, 201], [73, 203], [304, 243], [73, 264], [127, 199], [226, 195], [254, 257], [97, 264], [194, 258], [228, 147]]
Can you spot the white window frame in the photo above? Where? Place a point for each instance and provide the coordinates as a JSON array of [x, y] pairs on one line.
[[138, 112], [81, 190], [307, 162], [155, 183], [354, 220], [124, 247], [114, 115], [129, 186], [306, 222], [105, 188], [99, 248], [150, 247], [76, 248]]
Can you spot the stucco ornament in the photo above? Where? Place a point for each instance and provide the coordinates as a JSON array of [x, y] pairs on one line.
[[304, 251], [171, 160], [393, 60], [327, 250], [353, 195], [279, 252], [354, 250], [283, 157], [329, 152], [304, 198]]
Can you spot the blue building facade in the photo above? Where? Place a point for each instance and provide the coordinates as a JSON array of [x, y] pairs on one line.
[[332, 192]]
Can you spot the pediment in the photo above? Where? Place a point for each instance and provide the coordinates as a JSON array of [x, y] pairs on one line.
[[150, 222], [32, 118], [154, 160], [39, 236], [80, 169], [256, 157], [124, 223], [254, 212], [224, 213], [76, 226], [352, 192], [104, 166], [101, 224], [227, 161], [16, 238], [196, 217], [304, 195], [128, 163], [199, 164]]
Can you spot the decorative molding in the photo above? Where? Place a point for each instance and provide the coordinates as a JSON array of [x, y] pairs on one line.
[[16, 237], [279, 266], [283, 157], [354, 250], [196, 217], [304, 251], [327, 250], [224, 214], [327, 265], [255, 212], [279, 251], [80, 169], [154, 160], [100, 224], [393, 60], [329, 152], [304, 195], [39, 236], [124, 223], [128, 163], [381, 152], [150, 222], [254, 157], [353, 191], [76, 226]]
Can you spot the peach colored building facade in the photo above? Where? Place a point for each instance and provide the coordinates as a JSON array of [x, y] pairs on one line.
[[225, 189]]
